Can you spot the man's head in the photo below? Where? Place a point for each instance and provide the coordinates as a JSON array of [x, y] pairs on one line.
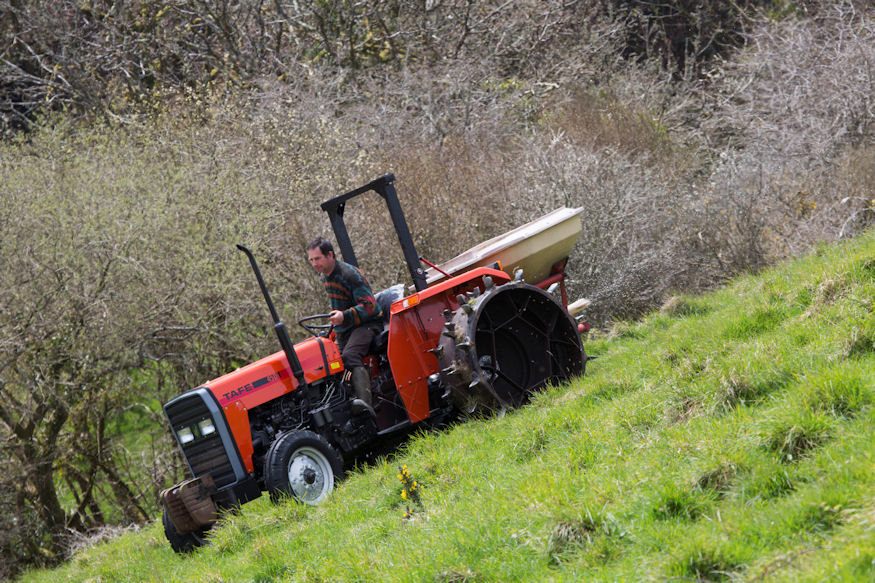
[[320, 253]]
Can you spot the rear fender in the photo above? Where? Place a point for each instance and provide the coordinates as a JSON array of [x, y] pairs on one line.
[[414, 335]]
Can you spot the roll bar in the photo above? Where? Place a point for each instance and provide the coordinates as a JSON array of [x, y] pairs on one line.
[[384, 187]]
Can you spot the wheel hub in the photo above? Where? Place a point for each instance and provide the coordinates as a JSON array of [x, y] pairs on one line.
[[310, 476]]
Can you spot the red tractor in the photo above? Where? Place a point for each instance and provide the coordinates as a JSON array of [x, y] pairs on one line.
[[470, 337]]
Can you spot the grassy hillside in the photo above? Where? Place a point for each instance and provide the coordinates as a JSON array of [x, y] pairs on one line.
[[725, 437]]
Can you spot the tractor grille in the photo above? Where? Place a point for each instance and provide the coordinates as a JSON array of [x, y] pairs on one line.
[[206, 454]]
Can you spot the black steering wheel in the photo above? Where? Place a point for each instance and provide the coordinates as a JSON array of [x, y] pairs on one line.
[[316, 329]]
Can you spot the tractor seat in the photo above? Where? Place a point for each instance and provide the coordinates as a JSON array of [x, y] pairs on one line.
[[384, 300]]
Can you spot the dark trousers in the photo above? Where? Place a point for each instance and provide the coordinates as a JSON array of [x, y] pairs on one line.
[[354, 345]]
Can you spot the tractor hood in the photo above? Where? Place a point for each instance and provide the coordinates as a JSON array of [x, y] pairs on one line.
[[270, 377]]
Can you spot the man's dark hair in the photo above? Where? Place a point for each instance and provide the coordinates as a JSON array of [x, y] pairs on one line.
[[323, 244]]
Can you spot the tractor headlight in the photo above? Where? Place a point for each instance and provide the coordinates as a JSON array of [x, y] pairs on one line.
[[206, 427], [185, 435]]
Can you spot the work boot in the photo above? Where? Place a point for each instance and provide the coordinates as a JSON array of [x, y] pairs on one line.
[[361, 386]]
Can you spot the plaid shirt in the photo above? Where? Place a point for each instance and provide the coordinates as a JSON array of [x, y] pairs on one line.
[[350, 293]]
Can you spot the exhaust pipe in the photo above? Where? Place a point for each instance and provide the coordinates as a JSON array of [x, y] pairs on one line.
[[281, 333]]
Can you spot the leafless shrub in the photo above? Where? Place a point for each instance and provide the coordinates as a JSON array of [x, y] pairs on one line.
[[682, 35], [631, 251], [854, 177], [802, 89], [102, 57], [797, 105]]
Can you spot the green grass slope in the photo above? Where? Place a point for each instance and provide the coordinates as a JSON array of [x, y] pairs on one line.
[[727, 437]]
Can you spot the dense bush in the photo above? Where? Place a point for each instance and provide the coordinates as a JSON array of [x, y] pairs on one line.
[[120, 287], [98, 55]]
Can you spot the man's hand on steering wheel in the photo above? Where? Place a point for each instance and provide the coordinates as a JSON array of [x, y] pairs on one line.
[[335, 317]]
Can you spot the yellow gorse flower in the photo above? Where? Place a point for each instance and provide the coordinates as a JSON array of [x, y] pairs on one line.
[[409, 490]]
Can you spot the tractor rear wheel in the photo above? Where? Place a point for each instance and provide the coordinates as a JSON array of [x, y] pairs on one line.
[[302, 465], [506, 342]]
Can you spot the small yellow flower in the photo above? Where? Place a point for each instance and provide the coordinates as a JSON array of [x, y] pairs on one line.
[[404, 494]]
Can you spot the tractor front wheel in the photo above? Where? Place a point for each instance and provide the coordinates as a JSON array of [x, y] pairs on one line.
[[302, 465], [182, 543]]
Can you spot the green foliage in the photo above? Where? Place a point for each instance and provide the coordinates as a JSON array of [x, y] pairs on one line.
[[841, 390], [769, 482], [685, 306], [759, 321], [862, 339], [707, 564], [752, 386], [719, 479], [680, 503], [595, 536], [607, 389], [795, 434]]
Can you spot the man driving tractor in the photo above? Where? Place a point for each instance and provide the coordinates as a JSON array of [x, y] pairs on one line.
[[355, 315]]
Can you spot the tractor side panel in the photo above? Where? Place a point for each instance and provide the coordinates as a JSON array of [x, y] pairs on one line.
[[238, 422], [413, 332]]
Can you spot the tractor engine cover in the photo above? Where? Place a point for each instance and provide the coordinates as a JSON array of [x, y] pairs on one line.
[[504, 343]]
